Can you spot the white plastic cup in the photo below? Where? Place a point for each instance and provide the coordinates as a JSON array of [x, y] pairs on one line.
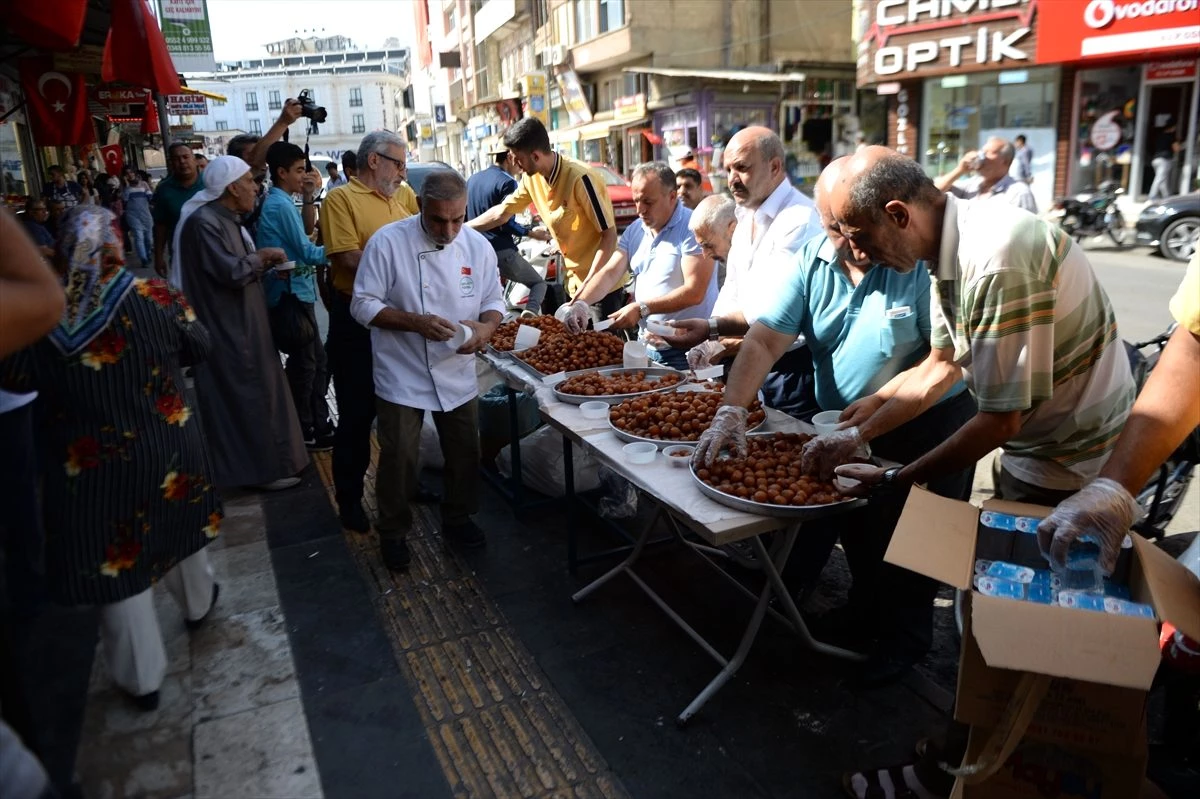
[[594, 409], [659, 329], [286, 266], [826, 421], [678, 455], [461, 337], [640, 452], [527, 336], [635, 355]]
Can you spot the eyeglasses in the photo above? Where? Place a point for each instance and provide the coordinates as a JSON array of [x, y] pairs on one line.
[[400, 164]]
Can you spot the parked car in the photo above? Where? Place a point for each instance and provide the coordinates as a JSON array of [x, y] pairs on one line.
[[1173, 226], [620, 194], [419, 170]]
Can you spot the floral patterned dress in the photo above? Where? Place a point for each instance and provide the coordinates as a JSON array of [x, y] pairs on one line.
[[126, 493]]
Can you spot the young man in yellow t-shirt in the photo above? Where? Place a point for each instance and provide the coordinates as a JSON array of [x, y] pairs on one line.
[[350, 215], [570, 198]]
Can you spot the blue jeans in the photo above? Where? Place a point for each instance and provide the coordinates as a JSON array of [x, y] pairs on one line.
[[141, 231], [672, 357]]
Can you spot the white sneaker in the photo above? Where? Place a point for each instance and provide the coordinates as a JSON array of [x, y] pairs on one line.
[[280, 484]]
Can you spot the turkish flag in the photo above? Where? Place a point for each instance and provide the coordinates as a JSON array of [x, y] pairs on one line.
[[56, 104], [150, 123], [135, 52], [53, 26], [114, 159]]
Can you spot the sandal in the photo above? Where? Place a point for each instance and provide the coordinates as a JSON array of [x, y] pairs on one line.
[[893, 782]]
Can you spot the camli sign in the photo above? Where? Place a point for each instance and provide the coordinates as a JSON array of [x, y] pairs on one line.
[[924, 38]]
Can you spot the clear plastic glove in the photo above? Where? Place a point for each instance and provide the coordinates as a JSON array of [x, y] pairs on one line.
[[704, 354], [1102, 510], [575, 315], [825, 453], [728, 429]]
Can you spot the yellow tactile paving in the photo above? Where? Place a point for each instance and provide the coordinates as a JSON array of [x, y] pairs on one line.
[[496, 726]]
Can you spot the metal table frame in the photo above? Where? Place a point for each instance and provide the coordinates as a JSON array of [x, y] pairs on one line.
[[751, 528]]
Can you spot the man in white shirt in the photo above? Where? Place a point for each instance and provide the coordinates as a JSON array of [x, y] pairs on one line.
[[672, 275], [991, 164], [429, 290], [773, 221]]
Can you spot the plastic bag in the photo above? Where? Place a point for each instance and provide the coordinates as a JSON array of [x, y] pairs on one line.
[[542, 464], [429, 456], [619, 500]]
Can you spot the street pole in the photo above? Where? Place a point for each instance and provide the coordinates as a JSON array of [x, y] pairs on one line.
[[164, 124]]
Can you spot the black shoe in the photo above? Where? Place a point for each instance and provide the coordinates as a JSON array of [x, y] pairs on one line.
[[146, 702], [395, 553], [841, 627], [466, 536], [318, 442], [196, 624], [880, 671], [353, 517]]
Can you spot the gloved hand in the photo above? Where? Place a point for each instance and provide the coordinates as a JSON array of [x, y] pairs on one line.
[[703, 354], [575, 315], [1102, 510], [825, 453], [728, 429]]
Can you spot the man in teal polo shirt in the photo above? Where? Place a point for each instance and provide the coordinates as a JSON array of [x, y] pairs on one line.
[[280, 225], [865, 325], [170, 195]]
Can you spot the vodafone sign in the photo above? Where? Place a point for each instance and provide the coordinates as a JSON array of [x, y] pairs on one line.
[[1085, 29]]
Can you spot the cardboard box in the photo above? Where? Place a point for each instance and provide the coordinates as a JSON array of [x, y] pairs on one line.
[[1103, 664]]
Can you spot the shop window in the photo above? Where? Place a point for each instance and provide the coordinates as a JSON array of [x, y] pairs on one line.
[[273, 101], [251, 101], [360, 124], [1106, 97], [356, 98]]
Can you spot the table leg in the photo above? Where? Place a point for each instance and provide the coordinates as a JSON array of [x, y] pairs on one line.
[[514, 429], [772, 568], [623, 566], [569, 491]]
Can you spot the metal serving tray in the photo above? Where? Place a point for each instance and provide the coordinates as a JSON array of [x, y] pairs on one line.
[[616, 399], [802, 512], [661, 442]]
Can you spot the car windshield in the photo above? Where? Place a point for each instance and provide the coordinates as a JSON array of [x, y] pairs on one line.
[[610, 177]]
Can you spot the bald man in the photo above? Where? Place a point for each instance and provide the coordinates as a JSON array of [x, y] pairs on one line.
[[990, 164], [773, 221], [865, 325], [1017, 311]]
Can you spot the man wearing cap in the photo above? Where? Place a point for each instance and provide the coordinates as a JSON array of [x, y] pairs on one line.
[[488, 188], [251, 426], [429, 291]]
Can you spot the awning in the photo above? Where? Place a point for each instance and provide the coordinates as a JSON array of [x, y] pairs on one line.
[[595, 130], [737, 75], [220, 98], [564, 135]]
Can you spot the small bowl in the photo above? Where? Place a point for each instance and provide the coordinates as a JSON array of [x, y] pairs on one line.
[[678, 455], [826, 421], [594, 409], [845, 483], [640, 452]]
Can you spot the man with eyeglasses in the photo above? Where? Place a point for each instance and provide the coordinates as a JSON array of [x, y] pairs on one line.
[[351, 214], [173, 191], [35, 217]]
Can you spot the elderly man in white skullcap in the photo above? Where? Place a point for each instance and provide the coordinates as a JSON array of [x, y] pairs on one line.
[[253, 432]]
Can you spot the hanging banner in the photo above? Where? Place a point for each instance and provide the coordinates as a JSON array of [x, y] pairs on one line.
[[574, 100], [56, 104], [186, 29], [536, 104], [186, 104]]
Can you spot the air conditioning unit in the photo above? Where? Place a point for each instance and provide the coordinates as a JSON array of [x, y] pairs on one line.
[[552, 56]]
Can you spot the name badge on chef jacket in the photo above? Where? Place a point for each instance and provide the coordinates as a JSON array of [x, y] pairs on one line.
[[466, 283]]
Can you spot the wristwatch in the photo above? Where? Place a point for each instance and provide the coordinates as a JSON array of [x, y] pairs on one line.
[[644, 310], [712, 328], [889, 476]]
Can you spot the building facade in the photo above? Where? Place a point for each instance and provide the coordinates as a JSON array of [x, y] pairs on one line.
[[1091, 84], [361, 91]]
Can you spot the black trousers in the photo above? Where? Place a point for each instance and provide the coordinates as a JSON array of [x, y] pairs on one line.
[[349, 351], [889, 603], [790, 386], [307, 373]]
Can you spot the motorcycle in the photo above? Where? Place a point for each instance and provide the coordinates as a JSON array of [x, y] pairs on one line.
[[1087, 215]]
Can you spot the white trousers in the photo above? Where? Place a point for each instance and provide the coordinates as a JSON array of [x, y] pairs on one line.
[[133, 644]]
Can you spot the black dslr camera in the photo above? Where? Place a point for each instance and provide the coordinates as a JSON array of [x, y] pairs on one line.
[[311, 110]]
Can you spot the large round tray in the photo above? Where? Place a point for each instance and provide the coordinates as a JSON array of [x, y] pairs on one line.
[[803, 512], [661, 442], [617, 399]]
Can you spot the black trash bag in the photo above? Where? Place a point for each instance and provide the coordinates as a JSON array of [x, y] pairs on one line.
[[292, 327]]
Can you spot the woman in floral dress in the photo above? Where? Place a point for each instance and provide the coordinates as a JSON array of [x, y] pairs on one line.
[[127, 496]]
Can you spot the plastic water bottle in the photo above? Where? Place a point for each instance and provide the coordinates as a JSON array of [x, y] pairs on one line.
[[1082, 572]]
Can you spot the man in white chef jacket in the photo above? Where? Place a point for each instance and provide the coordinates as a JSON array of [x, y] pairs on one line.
[[429, 290]]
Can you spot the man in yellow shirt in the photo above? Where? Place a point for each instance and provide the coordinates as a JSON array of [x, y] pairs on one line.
[[350, 215], [570, 198]]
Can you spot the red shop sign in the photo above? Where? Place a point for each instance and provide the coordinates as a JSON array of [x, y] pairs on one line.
[[1093, 29], [1182, 69]]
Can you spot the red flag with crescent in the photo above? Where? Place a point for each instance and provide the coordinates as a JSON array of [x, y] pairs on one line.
[[114, 159], [150, 123], [56, 104]]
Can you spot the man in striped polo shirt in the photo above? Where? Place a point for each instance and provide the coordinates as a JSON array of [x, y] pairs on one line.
[[1017, 311]]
